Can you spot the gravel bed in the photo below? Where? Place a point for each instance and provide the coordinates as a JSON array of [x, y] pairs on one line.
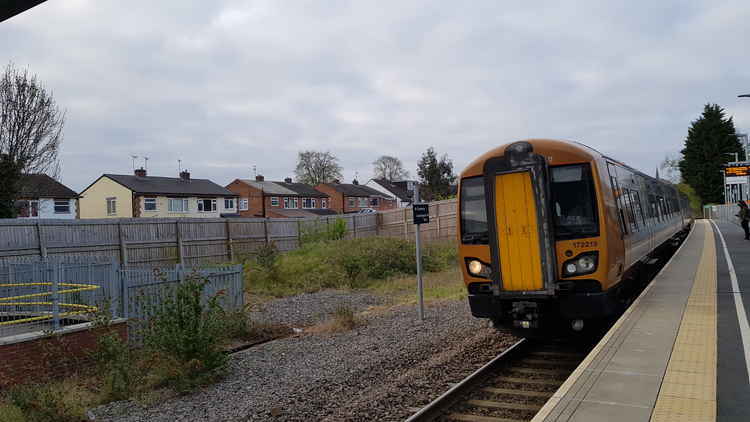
[[378, 371], [310, 308]]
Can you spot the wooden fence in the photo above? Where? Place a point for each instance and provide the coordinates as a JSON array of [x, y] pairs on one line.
[[191, 241]]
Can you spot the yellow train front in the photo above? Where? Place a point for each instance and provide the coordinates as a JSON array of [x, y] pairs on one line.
[[553, 231]]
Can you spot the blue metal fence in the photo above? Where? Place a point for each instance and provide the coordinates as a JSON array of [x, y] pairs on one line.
[[45, 296]]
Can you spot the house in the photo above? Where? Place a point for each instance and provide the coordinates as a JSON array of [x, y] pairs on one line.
[[265, 198], [348, 198], [140, 195], [41, 196], [402, 192]]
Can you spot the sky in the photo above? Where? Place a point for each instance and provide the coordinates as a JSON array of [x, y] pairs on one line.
[[227, 85]]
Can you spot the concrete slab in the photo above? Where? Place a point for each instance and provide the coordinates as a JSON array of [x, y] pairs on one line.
[[621, 378]]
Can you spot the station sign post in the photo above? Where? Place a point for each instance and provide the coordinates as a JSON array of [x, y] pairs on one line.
[[420, 215]]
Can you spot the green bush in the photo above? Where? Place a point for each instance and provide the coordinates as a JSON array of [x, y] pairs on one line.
[[45, 403], [335, 230], [352, 263], [114, 361], [185, 328]]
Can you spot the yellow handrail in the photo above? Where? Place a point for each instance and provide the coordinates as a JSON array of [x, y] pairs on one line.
[[5, 301]]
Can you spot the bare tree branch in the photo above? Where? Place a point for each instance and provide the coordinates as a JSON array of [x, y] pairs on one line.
[[389, 168], [315, 167], [31, 127]]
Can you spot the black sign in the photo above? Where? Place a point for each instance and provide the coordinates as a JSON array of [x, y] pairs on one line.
[[421, 213]]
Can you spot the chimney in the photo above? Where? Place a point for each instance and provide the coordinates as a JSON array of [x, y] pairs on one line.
[[141, 172], [259, 178], [355, 182], [288, 180], [185, 175]]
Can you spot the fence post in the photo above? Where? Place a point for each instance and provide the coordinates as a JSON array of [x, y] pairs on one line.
[[230, 245], [406, 225], [354, 225], [42, 241], [56, 296], [265, 232], [125, 295], [437, 220], [180, 251], [123, 246], [299, 233]]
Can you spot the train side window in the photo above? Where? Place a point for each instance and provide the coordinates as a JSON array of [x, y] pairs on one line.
[[618, 197], [639, 208], [628, 195]]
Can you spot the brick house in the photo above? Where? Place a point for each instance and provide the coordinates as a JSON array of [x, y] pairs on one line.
[[265, 198], [353, 197]]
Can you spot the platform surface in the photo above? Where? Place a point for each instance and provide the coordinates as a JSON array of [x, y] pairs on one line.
[[677, 354]]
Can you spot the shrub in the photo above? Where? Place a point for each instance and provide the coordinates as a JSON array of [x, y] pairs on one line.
[[114, 361], [335, 230], [48, 402], [185, 328], [352, 263]]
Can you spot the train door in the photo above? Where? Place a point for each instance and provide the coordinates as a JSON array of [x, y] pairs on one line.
[[618, 193], [517, 232]]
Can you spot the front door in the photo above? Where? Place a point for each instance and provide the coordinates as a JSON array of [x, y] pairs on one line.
[[517, 232]]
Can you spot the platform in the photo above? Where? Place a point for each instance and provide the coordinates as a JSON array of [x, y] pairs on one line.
[[679, 352]]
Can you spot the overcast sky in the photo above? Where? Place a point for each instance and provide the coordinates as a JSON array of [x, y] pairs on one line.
[[226, 85]]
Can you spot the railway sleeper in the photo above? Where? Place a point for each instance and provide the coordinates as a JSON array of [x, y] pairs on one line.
[[554, 373], [478, 418]]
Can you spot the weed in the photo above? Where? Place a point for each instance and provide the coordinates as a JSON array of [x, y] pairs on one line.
[[60, 402], [11, 413], [187, 329], [341, 319]]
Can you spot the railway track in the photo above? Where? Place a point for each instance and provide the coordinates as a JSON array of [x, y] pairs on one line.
[[510, 388]]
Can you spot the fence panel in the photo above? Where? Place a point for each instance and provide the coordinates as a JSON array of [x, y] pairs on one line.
[[154, 242]]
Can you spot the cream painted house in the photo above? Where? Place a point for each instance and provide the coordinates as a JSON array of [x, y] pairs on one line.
[[139, 195]]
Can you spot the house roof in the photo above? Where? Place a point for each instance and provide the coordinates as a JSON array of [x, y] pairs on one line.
[[396, 190], [301, 213], [170, 185], [349, 189], [303, 189], [43, 186], [271, 188]]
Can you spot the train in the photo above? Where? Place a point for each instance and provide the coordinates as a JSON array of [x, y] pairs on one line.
[[554, 232]]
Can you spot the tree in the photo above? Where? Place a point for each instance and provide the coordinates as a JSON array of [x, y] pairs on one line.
[[670, 169], [711, 138], [389, 168], [435, 176], [315, 167], [30, 133]]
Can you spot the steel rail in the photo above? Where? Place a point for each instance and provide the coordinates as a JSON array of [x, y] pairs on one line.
[[445, 400]]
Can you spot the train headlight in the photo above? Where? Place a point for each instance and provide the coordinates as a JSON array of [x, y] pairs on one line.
[[478, 268], [584, 263]]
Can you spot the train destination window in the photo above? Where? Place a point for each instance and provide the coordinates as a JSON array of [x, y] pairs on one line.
[[473, 212], [574, 202]]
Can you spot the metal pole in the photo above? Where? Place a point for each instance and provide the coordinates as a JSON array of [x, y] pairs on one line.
[[420, 286], [56, 273]]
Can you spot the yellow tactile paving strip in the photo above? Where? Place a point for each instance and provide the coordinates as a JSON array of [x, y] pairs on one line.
[[688, 392]]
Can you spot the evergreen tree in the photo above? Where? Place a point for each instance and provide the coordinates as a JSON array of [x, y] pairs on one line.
[[435, 176], [711, 138]]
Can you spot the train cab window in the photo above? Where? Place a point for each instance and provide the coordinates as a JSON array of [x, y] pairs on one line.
[[574, 202], [473, 212]]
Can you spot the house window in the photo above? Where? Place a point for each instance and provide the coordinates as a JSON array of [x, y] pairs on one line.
[[363, 202], [206, 205], [111, 206], [351, 202], [323, 203], [286, 202], [313, 203], [62, 206], [308, 203], [275, 201], [149, 204], [243, 204], [295, 204], [228, 203], [374, 202], [178, 205]]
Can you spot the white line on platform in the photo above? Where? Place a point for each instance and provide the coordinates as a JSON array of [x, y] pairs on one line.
[[738, 304]]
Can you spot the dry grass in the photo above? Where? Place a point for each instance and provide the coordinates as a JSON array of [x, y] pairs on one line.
[[341, 320], [443, 285]]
